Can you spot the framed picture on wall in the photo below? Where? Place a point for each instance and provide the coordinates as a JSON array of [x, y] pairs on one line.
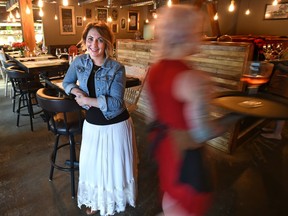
[[101, 14], [67, 20], [114, 28], [123, 23], [88, 13], [79, 21], [114, 14], [274, 12], [133, 21]]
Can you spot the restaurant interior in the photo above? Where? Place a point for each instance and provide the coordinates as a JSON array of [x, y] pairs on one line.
[[248, 171]]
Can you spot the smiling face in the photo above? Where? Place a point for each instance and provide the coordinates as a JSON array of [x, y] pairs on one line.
[[95, 45], [98, 39]]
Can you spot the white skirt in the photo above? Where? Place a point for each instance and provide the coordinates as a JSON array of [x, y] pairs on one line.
[[108, 167]]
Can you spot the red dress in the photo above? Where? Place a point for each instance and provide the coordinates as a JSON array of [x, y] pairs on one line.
[[193, 194]]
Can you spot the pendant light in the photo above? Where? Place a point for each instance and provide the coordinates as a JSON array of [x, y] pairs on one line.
[[231, 6], [65, 2], [55, 17]]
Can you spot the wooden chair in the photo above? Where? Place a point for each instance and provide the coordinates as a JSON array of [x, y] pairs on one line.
[[132, 94]]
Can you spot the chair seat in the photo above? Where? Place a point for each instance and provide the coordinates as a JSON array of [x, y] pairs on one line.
[[65, 128]]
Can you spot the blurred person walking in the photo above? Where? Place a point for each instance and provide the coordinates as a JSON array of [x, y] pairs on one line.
[[180, 121]]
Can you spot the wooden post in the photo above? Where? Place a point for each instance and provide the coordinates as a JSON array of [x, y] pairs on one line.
[[27, 22], [211, 9]]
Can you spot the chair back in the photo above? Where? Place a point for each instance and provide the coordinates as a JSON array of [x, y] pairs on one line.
[[63, 114], [22, 81], [132, 94]]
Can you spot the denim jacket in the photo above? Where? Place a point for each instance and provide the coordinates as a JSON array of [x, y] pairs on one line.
[[110, 81]]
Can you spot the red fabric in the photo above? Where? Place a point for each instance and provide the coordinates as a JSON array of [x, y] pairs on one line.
[[170, 112], [161, 76]]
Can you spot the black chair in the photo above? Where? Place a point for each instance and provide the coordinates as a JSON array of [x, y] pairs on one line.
[[25, 86], [5, 64], [64, 117]]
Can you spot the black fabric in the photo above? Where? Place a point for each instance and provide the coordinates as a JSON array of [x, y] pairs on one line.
[[193, 171], [132, 81], [94, 115]]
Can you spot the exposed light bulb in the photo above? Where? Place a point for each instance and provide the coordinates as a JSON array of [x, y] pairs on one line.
[[55, 17], [169, 3], [247, 12], [275, 2], [11, 15], [28, 11], [84, 18], [40, 3], [109, 19], [41, 14], [231, 6], [147, 21], [65, 2], [155, 15], [17, 14], [215, 16]]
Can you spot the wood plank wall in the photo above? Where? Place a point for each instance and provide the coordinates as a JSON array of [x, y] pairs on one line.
[[225, 62]]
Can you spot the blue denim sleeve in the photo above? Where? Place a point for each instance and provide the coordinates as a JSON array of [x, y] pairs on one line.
[[70, 78], [114, 100]]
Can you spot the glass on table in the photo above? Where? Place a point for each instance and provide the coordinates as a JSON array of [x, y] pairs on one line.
[[58, 52], [256, 74], [45, 50]]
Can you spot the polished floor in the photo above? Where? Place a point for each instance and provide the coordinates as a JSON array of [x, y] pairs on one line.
[[252, 181]]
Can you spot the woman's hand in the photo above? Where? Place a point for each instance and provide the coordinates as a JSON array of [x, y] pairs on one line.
[[82, 99]]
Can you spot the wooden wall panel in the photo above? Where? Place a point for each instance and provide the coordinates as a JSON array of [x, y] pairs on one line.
[[225, 62]]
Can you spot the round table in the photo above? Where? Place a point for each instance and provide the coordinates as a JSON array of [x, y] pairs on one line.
[[263, 105]]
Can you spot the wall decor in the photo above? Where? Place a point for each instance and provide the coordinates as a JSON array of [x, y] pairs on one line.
[[133, 21], [67, 20], [88, 13], [101, 14], [123, 23], [114, 14], [114, 28], [79, 21], [274, 12]]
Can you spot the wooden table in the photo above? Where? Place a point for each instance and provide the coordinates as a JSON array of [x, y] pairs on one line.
[[260, 105], [42, 64], [57, 83]]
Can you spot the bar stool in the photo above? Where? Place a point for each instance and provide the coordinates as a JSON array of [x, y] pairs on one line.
[[64, 117], [5, 64], [25, 86]]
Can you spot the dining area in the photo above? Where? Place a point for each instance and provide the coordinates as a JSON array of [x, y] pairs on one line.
[[26, 190], [43, 128]]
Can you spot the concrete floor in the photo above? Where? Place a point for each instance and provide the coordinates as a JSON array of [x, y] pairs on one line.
[[252, 181]]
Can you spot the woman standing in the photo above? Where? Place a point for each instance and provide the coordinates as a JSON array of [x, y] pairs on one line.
[[107, 161], [179, 95]]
